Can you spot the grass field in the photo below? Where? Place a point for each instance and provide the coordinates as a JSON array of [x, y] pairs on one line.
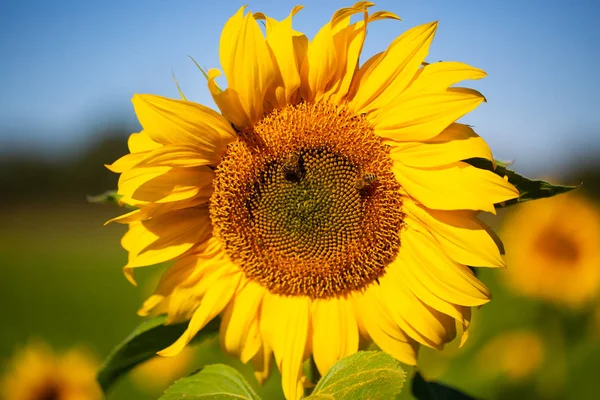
[[62, 282]]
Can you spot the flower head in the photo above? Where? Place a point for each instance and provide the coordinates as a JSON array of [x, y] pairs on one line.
[[156, 374], [329, 201], [37, 373], [516, 354], [553, 250]]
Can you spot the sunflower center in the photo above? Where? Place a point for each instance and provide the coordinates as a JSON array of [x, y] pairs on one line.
[[306, 203], [558, 246], [50, 391], [307, 206]]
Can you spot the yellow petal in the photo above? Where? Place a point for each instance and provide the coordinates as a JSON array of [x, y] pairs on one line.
[[166, 237], [211, 259], [237, 319], [371, 310], [462, 314], [379, 15], [148, 211], [387, 78], [175, 274], [185, 299], [342, 42], [341, 18], [441, 75], [139, 142], [165, 184], [424, 324], [246, 62], [335, 333], [457, 186], [409, 276], [348, 43], [126, 162], [423, 115], [139, 145], [178, 122], [180, 156], [270, 23], [419, 321], [253, 343], [213, 302], [362, 70], [449, 280], [284, 324], [319, 66], [280, 38], [228, 101], [461, 234], [261, 363], [185, 273], [457, 142]]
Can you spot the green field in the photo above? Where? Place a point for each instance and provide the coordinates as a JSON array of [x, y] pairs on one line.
[[62, 282]]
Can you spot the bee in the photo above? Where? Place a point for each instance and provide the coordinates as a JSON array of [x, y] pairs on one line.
[[291, 166], [365, 180]]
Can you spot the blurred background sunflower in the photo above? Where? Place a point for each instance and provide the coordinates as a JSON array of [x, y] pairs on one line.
[[554, 250], [84, 60], [36, 372]]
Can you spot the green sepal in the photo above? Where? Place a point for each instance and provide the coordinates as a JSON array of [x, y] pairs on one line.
[[218, 382], [204, 73], [108, 197], [363, 375], [529, 189], [142, 344], [503, 163], [178, 87]]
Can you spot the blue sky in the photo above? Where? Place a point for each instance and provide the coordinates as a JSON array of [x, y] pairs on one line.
[[69, 67]]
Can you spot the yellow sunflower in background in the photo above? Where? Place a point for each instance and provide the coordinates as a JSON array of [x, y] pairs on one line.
[[329, 200], [36, 372], [158, 373], [516, 354], [553, 250]]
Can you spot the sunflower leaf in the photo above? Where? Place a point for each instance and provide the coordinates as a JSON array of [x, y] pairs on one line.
[[364, 375], [142, 344], [530, 189], [424, 390], [218, 382]]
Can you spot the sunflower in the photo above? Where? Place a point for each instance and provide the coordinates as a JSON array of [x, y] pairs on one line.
[[156, 374], [329, 200], [553, 250], [516, 354], [36, 372]]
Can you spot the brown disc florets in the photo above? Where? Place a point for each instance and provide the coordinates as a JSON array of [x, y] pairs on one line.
[[306, 202]]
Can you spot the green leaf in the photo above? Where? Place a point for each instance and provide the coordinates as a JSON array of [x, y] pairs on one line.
[[423, 390], [364, 375], [212, 382], [142, 344], [108, 197], [528, 189]]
